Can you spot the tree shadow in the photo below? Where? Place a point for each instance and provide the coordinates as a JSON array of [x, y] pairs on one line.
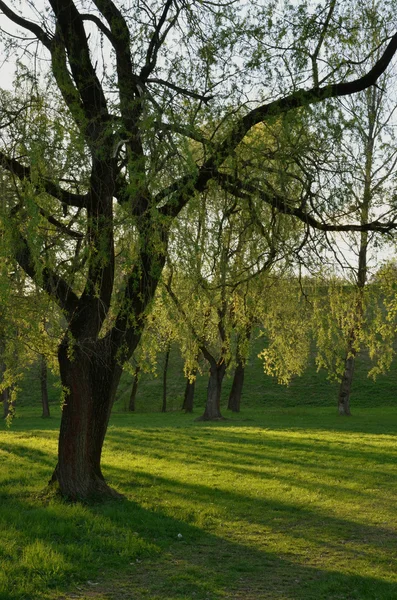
[[280, 549]]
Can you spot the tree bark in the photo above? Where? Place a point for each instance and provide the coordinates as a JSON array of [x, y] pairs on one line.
[[91, 375], [212, 410], [345, 388], [6, 406], [5, 394], [165, 371], [237, 387], [188, 398], [131, 405], [44, 389]]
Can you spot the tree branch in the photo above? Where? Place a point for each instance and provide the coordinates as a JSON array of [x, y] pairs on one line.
[[182, 189], [50, 282], [32, 27], [245, 191], [71, 25], [46, 185], [157, 41], [181, 90]]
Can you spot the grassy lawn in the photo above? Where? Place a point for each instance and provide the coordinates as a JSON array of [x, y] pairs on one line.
[[274, 503]]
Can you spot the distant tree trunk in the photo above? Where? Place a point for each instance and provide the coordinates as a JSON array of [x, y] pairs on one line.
[[238, 379], [189, 395], [213, 405], [5, 395], [165, 370], [44, 389], [237, 387], [188, 398], [131, 405], [345, 387]]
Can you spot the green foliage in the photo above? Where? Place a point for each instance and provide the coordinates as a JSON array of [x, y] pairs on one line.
[[285, 321]]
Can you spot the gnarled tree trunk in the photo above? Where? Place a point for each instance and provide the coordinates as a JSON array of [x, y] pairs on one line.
[[91, 375]]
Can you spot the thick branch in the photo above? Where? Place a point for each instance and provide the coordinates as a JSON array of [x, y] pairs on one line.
[[129, 92], [295, 100], [45, 185], [49, 281], [71, 25]]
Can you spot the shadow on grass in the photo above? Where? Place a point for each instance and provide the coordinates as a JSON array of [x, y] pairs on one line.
[[279, 549], [75, 543]]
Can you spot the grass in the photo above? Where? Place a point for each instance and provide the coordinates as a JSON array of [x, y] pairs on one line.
[[288, 503], [285, 501]]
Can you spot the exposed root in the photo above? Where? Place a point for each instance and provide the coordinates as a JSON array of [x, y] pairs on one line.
[[94, 491]]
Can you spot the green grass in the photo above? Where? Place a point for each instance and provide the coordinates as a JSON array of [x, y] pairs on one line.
[[279, 503], [285, 501]]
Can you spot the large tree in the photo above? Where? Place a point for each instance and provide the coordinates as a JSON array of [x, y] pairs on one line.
[[127, 89]]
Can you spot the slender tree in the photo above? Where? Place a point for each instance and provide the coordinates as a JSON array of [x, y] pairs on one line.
[[364, 164]]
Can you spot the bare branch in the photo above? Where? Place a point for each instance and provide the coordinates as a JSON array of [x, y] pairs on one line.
[[286, 206], [156, 41], [32, 27], [101, 26], [181, 90]]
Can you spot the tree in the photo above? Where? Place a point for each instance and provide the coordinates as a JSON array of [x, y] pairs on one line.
[[103, 159], [217, 248], [364, 161], [43, 386]]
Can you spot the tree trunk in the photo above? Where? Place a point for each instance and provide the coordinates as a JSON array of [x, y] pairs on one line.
[[6, 406], [91, 375], [189, 396], [237, 387], [5, 394], [44, 389], [131, 405], [213, 406], [165, 370], [345, 387]]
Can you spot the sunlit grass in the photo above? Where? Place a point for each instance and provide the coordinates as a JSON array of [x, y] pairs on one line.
[[280, 504]]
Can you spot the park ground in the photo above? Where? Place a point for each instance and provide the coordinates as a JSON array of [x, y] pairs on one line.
[[284, 501]]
